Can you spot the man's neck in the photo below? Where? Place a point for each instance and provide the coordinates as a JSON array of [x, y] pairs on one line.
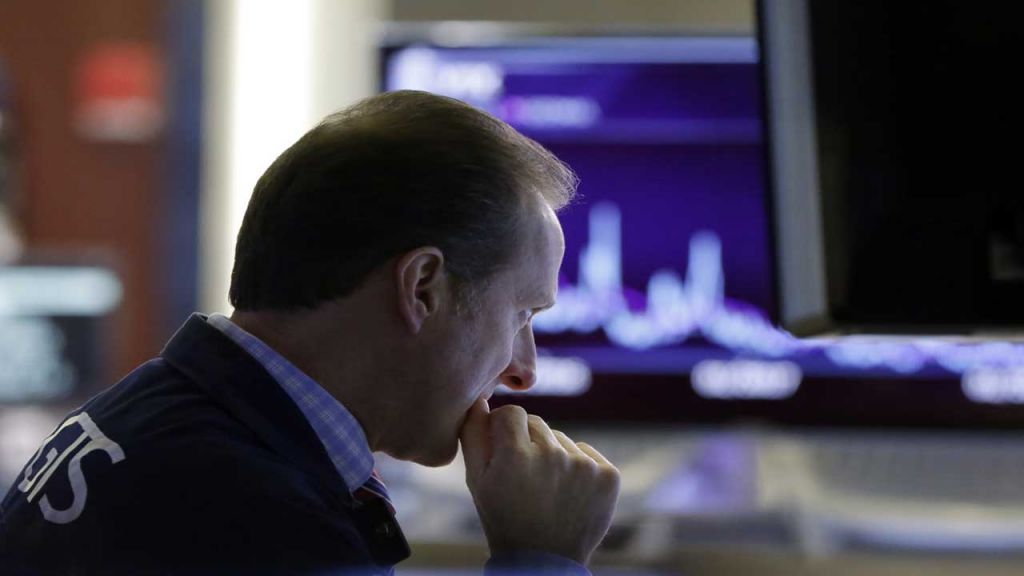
[[336, 365]]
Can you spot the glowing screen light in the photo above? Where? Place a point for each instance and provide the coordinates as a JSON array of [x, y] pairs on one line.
[[672, 310], [745, 379], [677, 308], [994, 386], [669, 264]]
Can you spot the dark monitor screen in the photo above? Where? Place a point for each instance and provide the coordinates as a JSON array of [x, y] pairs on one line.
[[667, 306], [908, 109]]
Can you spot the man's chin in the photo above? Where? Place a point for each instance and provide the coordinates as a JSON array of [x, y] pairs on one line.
[[433, 449], [439, 452], [438, 458]]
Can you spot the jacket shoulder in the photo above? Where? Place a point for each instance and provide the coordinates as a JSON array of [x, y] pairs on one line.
[[155, 472]]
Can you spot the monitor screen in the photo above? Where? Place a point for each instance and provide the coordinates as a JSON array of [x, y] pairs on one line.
[[56, 331], [672, 224], [906, 108], [668, 306]]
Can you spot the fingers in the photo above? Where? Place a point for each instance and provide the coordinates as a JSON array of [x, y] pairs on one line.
[[584, 450], [540, 490], [475, 438], [593, 453], [568, 444], [541, 434], [510, 429]]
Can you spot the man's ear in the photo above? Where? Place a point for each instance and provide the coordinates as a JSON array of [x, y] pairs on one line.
[[422, 285]]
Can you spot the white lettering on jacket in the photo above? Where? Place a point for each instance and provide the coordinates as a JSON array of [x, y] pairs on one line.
[[90, 440]]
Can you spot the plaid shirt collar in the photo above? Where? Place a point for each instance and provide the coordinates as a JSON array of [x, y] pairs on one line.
[[342, 436]]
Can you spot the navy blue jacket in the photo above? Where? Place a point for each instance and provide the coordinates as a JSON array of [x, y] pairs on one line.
[[196, 462]]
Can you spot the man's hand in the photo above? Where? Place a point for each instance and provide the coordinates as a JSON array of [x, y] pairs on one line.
[[534, 488]]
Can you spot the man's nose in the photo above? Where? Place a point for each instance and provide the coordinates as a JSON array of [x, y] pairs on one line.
[[521, 372]]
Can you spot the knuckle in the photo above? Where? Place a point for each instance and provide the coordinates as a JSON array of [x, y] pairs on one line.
[[508, 413], [609, 476], [610, 471], [522, 453], [582, 463], [517, 410], [509, 410], [557, 458], [517, 454]]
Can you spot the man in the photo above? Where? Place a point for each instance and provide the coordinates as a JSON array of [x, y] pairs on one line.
[[386, 274]]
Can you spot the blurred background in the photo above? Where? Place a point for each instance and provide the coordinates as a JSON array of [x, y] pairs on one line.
[[792, 303]]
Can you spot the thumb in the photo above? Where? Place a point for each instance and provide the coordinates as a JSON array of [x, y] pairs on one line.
[[476, 438]]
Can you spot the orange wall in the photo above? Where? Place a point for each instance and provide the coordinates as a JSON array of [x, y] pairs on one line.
[[77, 195]]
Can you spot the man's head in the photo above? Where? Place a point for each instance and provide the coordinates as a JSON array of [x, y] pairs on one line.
[[390, 174], [399, 249]]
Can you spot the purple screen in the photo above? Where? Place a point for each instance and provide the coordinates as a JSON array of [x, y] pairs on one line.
[[672, 225], [667, 298], [665, 136]]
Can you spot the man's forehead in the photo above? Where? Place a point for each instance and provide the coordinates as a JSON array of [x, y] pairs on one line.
[[542, 258]]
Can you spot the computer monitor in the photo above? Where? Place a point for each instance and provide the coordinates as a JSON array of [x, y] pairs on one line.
[[892, 168], [668, 306]]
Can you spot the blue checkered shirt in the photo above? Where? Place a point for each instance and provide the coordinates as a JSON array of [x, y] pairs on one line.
[[338, 430]]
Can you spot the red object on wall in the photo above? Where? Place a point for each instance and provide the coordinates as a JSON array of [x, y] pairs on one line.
[[119, 93]]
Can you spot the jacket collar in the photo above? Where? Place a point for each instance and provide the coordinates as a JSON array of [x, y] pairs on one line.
[[234, 379]]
